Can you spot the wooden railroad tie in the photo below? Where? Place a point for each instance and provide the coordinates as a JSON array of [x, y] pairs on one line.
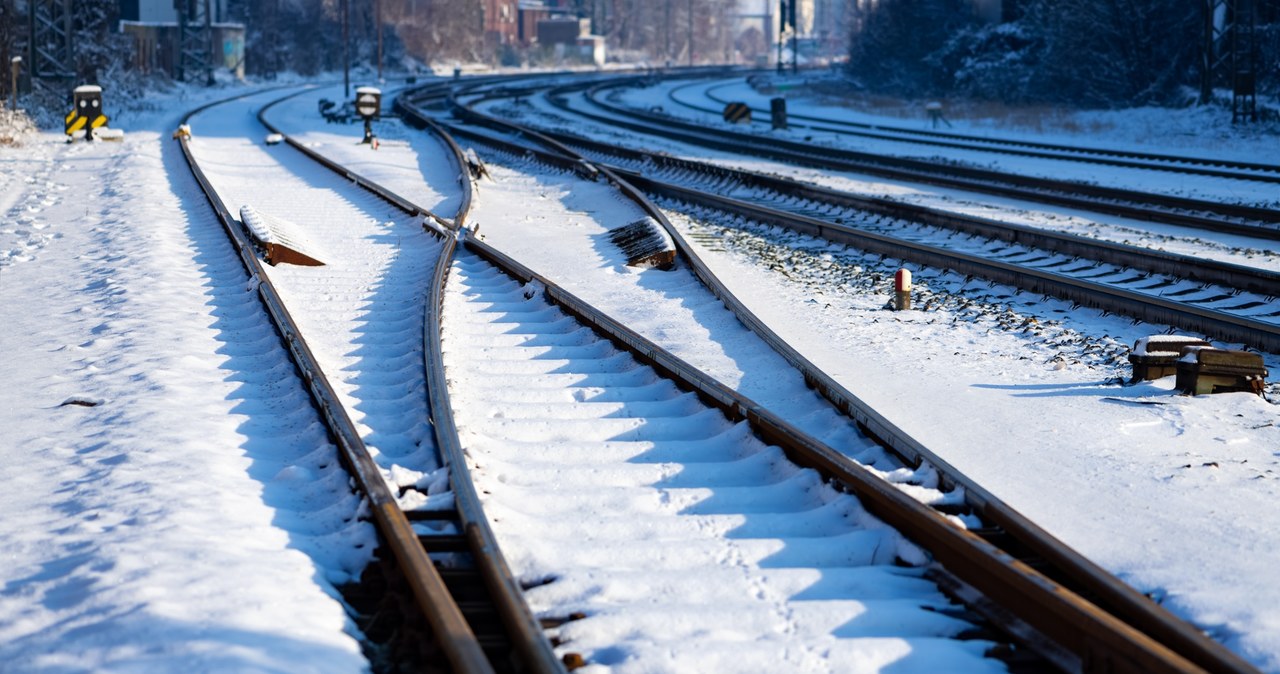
[[645, 243]]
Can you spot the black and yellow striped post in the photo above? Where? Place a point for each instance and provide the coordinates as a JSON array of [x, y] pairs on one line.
[[737, 113], [86, 112]]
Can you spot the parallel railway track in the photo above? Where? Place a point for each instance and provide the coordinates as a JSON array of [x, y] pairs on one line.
[[1126, 613], [473, 607], [886, 216], [1195, 213], [1230, 302], [1205, 166]]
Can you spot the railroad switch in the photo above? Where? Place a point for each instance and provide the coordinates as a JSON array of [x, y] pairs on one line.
[[1204, 370], [1157, 356], [332, 112], [645, 243]]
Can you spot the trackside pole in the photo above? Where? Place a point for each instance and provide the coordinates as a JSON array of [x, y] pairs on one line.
[[902, 290]]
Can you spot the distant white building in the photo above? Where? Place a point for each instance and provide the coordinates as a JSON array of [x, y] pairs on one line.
[[165, 11]]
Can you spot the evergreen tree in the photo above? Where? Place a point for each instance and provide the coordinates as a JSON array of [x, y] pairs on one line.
[[892, 49], [1115, 52]]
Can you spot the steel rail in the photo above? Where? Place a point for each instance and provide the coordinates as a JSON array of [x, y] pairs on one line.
[[1145, 259], [521, 626], [516, 616], [455, 637], [1117, 597], [1095, 198], [1096, 640], [1093, 155], [1217, 324]]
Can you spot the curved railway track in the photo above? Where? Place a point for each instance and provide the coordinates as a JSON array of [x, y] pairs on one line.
[[473, 607], [1195, 213], [1206, 166], [1230, 302], [1001, 523]]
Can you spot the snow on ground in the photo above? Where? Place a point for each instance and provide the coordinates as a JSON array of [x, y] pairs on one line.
[[410, 163], [1170, 493], [194, 518], [562, 233], [184, 511]]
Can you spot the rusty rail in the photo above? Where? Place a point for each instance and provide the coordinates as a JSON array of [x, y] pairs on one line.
[[432, 596], [1132, 633], [1096, 198]]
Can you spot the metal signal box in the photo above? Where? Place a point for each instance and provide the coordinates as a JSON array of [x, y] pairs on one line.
[[1204, 370], [1157, 356], [86, 111], [778, 112]]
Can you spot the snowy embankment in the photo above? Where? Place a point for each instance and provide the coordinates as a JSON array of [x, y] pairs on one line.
[[172, 502]]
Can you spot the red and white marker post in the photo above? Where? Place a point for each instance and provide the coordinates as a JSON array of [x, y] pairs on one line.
[[902, 290]]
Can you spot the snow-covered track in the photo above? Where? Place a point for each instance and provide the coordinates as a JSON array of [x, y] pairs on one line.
[[1121, 279], [553, 415], [1001, 523], [869, 213], [536, 375], [1197, 213], [1205, 166], [1225, 313], [450, 565]]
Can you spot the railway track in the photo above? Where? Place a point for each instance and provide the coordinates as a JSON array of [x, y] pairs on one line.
[[1204, 166], [437, 550], [1000, 522], [1200, 214], [1230, 302], [555, 417]]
